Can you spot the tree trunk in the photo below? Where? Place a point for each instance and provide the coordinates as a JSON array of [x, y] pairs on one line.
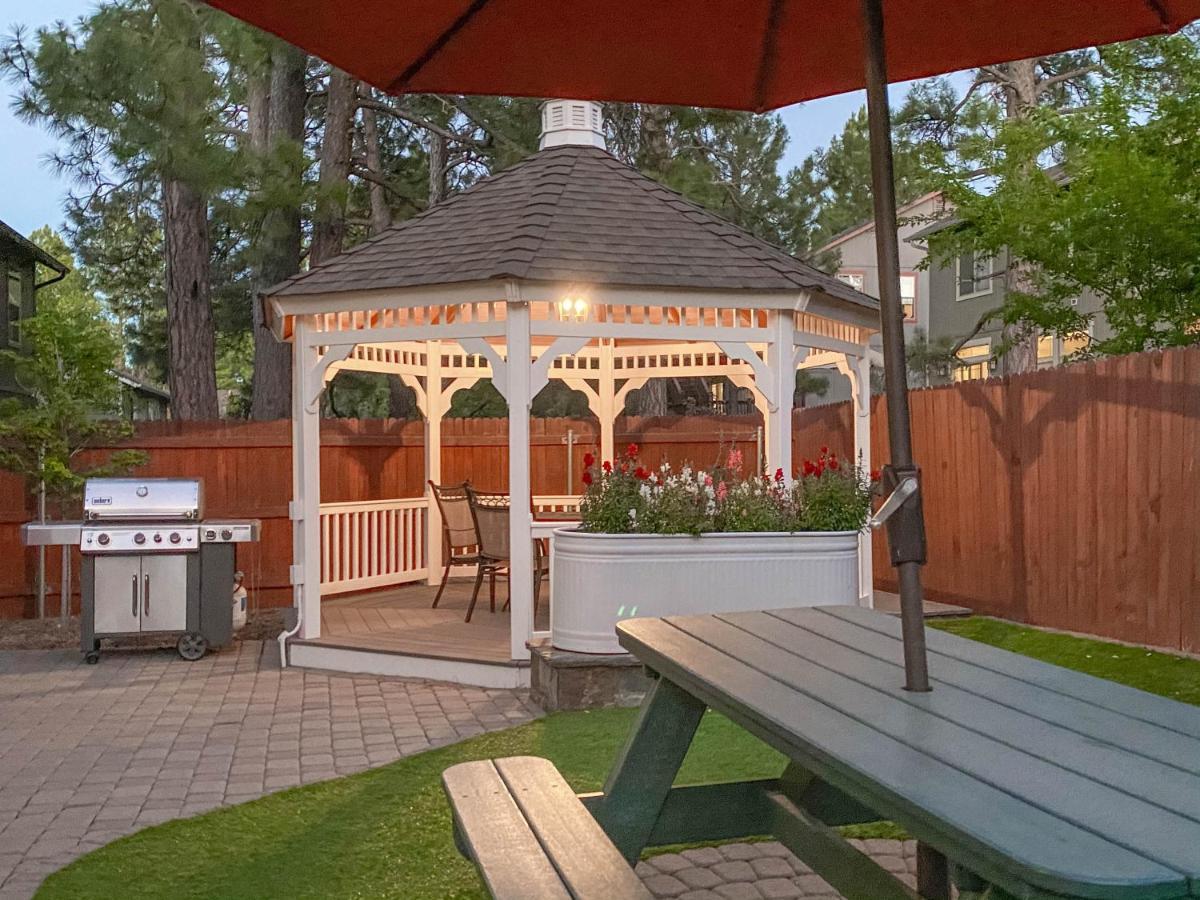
[[654, 148], [1020, 87], [438, 153], [329, 223], [279, 240], [651, 398], [258, 110], [381, 213], [191, 350]]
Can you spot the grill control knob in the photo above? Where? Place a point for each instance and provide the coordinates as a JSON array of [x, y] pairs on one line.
[[157, 538], [139, 538], [174, 537], [226, 534], [102, 539]]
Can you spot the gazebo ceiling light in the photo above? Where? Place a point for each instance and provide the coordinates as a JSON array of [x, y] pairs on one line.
[[575, 306]]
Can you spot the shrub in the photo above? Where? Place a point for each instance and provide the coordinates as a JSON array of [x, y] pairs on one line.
[[623, 496]]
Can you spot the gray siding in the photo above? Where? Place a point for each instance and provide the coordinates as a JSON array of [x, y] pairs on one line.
[[12, 259], [951, 317]]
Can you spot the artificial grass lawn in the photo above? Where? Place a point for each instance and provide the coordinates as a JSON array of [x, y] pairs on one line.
[[386, 833], [1177, 677]]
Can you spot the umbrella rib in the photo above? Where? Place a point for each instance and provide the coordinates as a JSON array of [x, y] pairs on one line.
[[398, 85], [1160, 9], [766, 61]]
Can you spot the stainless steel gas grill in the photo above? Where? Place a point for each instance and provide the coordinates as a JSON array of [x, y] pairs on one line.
[[151, 564]]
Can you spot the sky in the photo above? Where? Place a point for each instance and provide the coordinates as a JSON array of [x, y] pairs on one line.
[[31, 195]]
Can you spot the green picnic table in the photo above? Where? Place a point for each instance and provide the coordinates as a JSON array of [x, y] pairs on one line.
[[1032, 781]]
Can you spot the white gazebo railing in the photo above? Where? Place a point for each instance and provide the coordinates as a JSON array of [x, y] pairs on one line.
[[370, 544], [382, 543]]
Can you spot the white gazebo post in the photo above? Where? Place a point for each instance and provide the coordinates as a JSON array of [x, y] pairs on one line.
[[858, 370], [780, 391], [434, 409], [520, 517], [606, 411], [305, 511]]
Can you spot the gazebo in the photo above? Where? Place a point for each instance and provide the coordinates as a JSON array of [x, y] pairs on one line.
[[572, 266]]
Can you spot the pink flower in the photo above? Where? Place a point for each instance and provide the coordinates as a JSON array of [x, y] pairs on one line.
[[708, 481], [722, 491], [735, 459], [631, 451]]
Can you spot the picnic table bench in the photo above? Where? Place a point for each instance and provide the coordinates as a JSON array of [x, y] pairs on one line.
[[1024, 779]]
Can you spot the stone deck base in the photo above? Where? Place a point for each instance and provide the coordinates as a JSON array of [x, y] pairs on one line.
[[560, 679]]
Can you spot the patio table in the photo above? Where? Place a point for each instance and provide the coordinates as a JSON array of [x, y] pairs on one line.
[[1030, 779]]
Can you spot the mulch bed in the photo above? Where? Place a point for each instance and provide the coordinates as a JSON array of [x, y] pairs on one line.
[[56, 634]]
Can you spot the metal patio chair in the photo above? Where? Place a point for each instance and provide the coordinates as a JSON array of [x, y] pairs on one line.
[[460, 540], [490, 512]]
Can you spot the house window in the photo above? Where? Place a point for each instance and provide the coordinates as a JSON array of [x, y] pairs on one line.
[[974, 362], [854, 279], [1054, 351], [14, 308], [908, 295], [974, 275]]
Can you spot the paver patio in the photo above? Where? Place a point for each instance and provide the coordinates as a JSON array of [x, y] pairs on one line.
[[91, 753]]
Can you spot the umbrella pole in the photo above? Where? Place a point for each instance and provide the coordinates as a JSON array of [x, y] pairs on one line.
[[906, 528]]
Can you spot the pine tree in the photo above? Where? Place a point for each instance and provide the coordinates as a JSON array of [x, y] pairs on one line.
[[133, 93]]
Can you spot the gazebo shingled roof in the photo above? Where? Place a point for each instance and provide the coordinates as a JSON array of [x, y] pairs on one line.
[[569, 214]]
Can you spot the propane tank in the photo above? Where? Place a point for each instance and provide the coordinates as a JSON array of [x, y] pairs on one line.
[[239, 601]]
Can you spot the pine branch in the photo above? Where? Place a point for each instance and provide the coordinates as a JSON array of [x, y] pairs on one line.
[[1047, 83]]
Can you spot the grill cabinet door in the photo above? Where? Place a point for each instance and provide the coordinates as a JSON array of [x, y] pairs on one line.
[[164, 592], [118, 594]]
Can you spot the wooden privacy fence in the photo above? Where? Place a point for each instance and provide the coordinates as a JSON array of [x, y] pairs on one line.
[[1063, 498]]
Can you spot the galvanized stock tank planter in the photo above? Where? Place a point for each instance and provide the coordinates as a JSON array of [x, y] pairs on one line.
[[599, 579]]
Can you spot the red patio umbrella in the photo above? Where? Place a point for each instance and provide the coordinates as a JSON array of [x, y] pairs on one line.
[[737, 54]]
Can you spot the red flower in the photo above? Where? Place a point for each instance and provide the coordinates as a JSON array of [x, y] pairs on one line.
[[589, 460], [809, 468], [641, 474], [632, 451], [779, 474], [833, 463], [607, 466], [876, 475], [587, 478], [824, 451]]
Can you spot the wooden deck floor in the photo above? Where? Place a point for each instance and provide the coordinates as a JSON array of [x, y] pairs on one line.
[[402, 621]]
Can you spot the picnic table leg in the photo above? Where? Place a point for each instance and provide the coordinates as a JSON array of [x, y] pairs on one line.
[[643, 773], [933, 873]]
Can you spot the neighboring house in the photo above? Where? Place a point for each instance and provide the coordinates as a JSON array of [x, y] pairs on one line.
[[141, 401], [946, 299], [19, 259], [965, 288], [858, 267]]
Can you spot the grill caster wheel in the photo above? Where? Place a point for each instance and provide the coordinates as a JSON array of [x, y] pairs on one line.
[[192, 645], [91, 657]]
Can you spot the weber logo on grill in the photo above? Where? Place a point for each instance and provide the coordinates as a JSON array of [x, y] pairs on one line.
[[101, 501]]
